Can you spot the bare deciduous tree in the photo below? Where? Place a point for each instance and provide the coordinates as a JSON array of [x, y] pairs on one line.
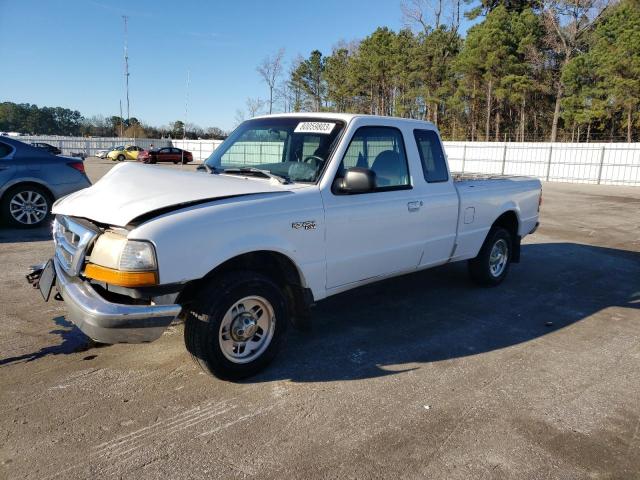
[[423, 13], [270, 69], [255, 106], [239, 117]]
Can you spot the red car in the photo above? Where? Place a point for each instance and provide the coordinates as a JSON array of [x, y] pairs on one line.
[[165, 154]]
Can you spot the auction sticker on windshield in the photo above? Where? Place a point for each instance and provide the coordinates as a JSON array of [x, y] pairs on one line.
[[315, 127]]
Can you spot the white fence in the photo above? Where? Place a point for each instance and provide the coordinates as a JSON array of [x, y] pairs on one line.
[[90, 146], [599, 163], [201, 149]]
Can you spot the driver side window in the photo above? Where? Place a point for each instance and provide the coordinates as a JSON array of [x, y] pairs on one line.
[[380, 149]]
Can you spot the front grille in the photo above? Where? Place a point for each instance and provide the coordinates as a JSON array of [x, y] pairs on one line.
[[72, 238]]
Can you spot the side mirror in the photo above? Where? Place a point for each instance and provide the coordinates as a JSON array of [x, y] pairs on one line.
[[356, 180]]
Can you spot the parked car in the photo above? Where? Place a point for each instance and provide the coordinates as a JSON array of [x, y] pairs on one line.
[[31, 179], [81, 155], [130, 152], [325, 203], [49, 148], [165, 154], [104, 152]]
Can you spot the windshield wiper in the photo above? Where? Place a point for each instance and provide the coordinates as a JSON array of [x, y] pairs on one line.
[[207, 168], [257, 171]]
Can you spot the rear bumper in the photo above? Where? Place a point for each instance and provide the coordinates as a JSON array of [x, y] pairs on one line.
[[533, 230], [108, 322]]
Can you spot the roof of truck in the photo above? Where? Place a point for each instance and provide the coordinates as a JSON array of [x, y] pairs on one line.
[[345, 117]]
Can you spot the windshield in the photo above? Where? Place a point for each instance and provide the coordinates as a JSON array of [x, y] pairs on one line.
[[293, 148]]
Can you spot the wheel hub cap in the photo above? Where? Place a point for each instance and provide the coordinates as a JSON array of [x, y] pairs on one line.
[[246, 330], [244, 327], [498, 258], [28, 207]]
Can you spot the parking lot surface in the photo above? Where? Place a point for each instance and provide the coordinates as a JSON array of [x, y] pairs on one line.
[[422, 376]]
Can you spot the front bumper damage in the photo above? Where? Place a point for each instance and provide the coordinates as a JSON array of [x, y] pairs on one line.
[[105, 321]]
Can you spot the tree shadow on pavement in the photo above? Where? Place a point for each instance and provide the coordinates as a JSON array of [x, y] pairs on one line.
[[73, 340], [438, 314]]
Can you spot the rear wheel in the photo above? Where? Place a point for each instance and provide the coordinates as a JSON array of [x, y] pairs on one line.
[[237, 331], [492, 264], [26, 206]]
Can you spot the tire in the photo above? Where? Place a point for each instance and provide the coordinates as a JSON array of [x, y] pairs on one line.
[[26, 206], [490, 272], [121, 158], [175, 163], [225, 308]]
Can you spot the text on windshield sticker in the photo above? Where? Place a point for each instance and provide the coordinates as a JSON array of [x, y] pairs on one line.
[[324, 128]]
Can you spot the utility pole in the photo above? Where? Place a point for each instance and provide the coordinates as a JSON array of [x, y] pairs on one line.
[[126, 62], [186, 109]]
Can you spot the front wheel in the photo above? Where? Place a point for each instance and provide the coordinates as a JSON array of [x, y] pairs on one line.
[[492, 264], [236, 325], [121, 158]]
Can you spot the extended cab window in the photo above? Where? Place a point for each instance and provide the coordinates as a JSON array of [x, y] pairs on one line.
[[434, 165], [380, 149]]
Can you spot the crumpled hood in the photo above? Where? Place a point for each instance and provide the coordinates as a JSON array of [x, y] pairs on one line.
[[130, 190]]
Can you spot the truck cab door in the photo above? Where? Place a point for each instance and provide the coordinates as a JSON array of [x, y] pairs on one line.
[[438, 197], [380, 232]]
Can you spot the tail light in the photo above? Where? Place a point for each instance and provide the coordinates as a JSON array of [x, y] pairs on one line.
[[79, 166]]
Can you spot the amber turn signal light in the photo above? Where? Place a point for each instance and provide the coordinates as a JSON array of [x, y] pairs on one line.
[[120, 278]]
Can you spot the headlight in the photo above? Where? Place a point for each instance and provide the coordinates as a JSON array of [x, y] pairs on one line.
[[118, 261], [138, 256]]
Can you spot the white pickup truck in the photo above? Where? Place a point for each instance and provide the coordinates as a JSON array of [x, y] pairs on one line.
[[289, 210]]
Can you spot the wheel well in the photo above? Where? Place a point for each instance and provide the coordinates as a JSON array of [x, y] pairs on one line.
[[277, 266], [509, 221], [23, 184]]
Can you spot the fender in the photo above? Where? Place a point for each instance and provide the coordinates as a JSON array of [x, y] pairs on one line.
[[19, 180], [195, 240]]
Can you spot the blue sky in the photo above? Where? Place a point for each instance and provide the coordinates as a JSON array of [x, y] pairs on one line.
[[69, 53]]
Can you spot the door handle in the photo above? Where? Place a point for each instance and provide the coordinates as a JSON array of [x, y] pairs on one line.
[[414, 206]]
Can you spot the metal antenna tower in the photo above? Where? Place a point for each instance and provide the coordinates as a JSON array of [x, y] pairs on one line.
[[126, 62]]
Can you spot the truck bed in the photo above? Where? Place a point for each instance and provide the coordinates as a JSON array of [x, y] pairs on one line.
[[463, 177], [482, 199]]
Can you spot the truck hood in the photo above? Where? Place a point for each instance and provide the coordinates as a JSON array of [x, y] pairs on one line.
[[131, 190]]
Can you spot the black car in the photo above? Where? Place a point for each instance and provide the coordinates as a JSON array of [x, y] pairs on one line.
[[47, 147]]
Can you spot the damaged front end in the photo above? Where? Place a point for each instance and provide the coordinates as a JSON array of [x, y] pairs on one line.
[[102, 314]]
